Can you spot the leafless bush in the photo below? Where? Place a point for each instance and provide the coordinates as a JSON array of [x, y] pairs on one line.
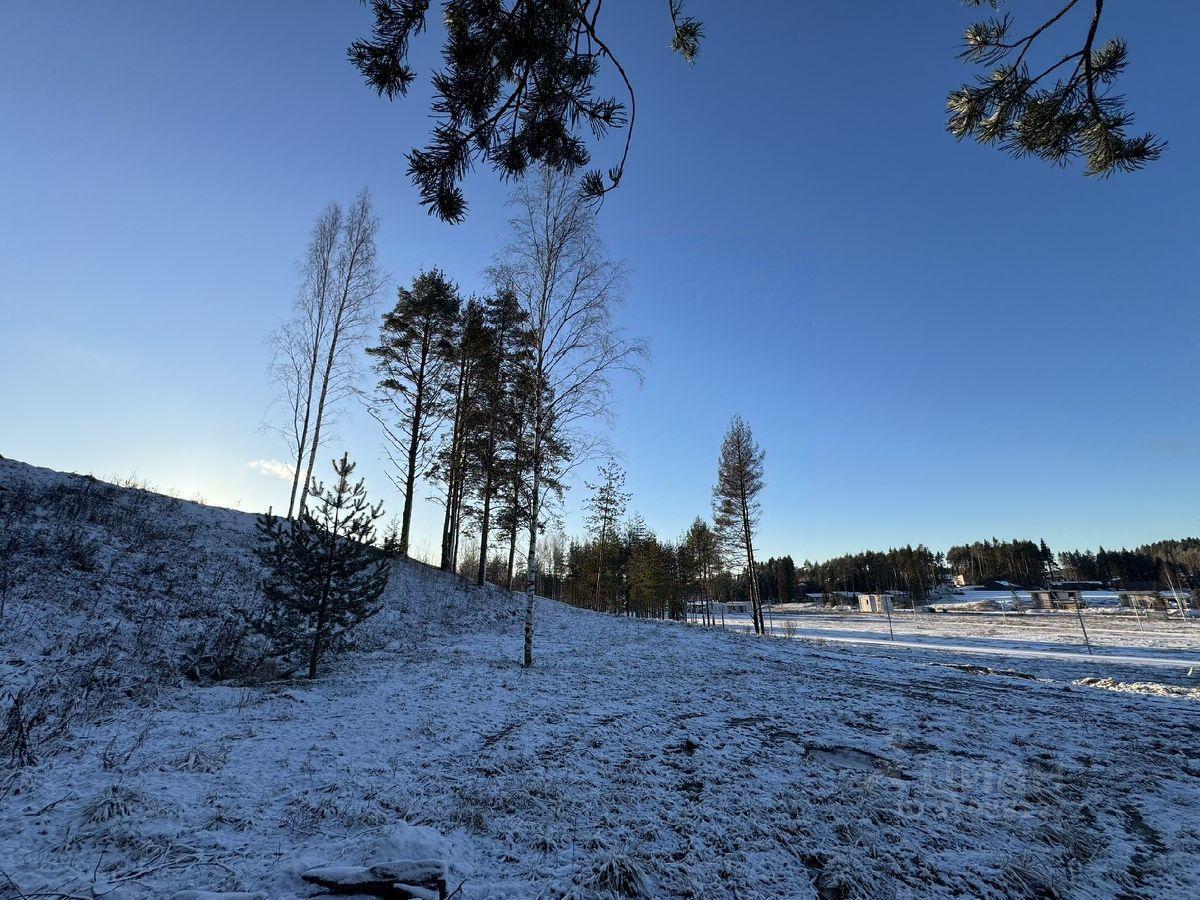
[[202, 759], [36, 717], [619, 874], [114, 802]]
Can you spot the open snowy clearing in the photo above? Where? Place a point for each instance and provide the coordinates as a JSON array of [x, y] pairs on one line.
[[636, 758], [1125, 643], [701, 762]]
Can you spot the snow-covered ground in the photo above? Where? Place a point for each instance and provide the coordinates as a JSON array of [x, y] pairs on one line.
[[1173, 644], [636, 758]]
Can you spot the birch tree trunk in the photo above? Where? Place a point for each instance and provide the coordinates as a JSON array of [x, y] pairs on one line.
[[299, 342], [302, 432], [534, 511], [357, 285]]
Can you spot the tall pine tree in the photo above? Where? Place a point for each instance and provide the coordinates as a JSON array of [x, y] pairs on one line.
[[413, 361], [736, 509]]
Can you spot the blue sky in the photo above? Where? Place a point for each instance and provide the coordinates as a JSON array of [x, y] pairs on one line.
[[931, 341]]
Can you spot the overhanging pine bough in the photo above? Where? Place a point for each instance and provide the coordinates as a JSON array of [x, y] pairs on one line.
[[517, 88], [1022, 111]]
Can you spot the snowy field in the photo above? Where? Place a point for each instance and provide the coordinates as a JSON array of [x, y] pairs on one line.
[[636, 759], [1125, 642]]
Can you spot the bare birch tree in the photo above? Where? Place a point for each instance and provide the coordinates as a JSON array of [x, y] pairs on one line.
[[297, 343], [356, 282], [316, 351], [556, 266]]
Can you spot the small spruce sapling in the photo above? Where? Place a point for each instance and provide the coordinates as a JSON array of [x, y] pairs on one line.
[[325, 576]]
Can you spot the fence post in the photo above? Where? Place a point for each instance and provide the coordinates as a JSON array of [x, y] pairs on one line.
[[1086, 639]]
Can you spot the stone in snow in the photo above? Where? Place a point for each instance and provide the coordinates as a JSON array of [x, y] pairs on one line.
[[402, 879]]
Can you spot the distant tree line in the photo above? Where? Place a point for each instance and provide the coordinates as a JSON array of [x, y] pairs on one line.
[[1170, 563], [1028, 563], [1019, 561], [633, 562], [631, 572], [915, 570]]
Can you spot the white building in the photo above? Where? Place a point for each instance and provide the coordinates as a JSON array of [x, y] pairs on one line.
[[735, 607]]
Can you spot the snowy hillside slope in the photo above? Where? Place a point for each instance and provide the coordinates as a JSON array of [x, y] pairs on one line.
[[123, 588], [636, 758]]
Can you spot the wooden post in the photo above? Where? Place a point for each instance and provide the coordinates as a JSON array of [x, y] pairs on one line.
[[1079, 612], [1175, 593]]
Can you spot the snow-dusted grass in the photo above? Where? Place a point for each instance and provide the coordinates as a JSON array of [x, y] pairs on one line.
[[1127, 641], [636, 758]]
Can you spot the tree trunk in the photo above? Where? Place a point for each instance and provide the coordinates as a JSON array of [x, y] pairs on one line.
[[316, 438], [485, 522], [456, 519], [599, 567], [301, 445], [531, 576], [516, 506], [751, 575], [319, 635], [454, 475], [410, 478], [512, 552]]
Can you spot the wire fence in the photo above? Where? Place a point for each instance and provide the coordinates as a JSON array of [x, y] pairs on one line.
[[1109, 629]]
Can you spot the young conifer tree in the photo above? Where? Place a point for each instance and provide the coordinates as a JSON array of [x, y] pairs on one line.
[[605, 508], [700, 560], [325, 577]]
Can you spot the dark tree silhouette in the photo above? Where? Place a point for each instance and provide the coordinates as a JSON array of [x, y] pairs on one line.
[[518, 87], [1060, 110], [324, 577], [736, 508], [413, 361]]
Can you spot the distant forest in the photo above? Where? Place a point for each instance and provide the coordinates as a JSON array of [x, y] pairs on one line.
[[1023, 562], [638, 574]]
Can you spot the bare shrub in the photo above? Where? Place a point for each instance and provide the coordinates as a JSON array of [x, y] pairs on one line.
[[37, 716], [114, 802], [202, 759], [618, 873]]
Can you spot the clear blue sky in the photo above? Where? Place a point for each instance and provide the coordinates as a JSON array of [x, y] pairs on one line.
[[931, 341]]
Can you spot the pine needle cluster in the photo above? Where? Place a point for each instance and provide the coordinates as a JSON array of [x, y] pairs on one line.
[[517, 87], [1061, 112]]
